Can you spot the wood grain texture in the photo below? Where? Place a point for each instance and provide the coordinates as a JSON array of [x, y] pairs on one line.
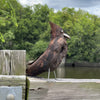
[[12, 62], [18, 62], [64, 89], [5, 62]]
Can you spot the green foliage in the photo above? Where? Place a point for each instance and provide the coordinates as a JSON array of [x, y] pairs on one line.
[[8, 23], [28, 28], [38, 49], [1, 38]]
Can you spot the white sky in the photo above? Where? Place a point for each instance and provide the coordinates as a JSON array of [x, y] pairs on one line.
[[92, 6]]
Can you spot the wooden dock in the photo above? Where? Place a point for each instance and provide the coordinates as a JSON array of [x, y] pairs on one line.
[[12, 75], [64, 89]]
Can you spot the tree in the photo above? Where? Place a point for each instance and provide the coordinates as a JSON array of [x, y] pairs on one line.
[[8, 23], [28, 28]]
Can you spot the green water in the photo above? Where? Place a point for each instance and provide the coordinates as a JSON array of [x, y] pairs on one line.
[[75, 72]]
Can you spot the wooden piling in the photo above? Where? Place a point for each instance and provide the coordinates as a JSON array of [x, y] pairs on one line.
[[13, 69], [12, 62]]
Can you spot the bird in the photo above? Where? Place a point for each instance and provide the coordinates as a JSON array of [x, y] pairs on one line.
[[52, 57]]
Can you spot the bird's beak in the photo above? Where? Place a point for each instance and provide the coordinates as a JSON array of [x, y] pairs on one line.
[[66, 35]]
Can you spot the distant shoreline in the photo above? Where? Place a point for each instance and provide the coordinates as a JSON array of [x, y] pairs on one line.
[[83, 64]]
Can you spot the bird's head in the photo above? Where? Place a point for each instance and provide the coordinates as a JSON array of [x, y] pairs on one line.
[[56, 31]]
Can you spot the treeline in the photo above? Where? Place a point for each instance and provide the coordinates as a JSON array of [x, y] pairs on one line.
[[28, 28]]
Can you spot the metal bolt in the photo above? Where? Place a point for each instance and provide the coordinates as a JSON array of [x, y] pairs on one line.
[[10, 97]]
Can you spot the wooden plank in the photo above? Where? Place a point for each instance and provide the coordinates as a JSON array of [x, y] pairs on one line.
[[5, 62], [44, 80], [12, 68], [12, 62], [64, 89], [18, 62], [14, 80]]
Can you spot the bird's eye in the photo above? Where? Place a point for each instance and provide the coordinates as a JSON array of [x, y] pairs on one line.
[[62, 31]]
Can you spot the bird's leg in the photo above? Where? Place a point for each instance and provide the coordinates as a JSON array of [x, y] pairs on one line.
[[48, 73], [54, 74]]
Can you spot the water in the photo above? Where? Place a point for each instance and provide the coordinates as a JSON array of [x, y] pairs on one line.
[[75, 72]]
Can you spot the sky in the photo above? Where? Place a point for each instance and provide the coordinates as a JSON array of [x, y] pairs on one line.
[[92, 6]]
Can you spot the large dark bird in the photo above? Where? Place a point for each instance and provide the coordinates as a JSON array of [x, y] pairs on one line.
[[54, 54]]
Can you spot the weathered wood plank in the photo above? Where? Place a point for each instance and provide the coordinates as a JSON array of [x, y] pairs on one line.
[[64, 89], [18, 62], [14, 80], [5, 62], [12, 62], [13, 69]]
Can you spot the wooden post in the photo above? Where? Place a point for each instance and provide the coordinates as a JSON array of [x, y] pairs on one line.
[[12, 62], [13, 69], [14, 80]]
